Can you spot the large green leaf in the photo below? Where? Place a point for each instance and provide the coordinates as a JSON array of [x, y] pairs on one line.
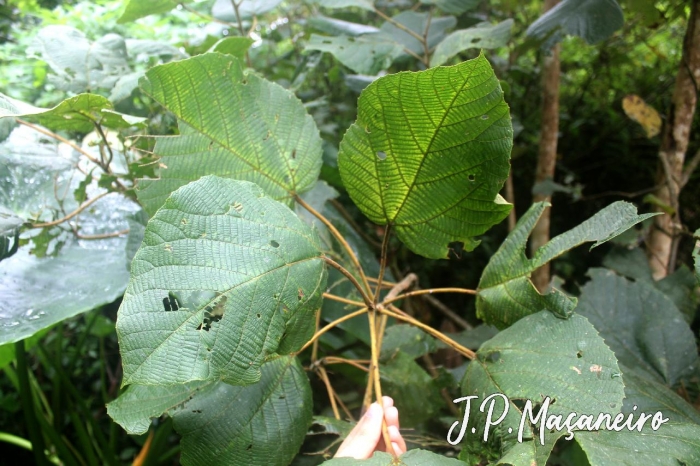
[[640, 324], [505, 292], [78, 113], [419, 23], [540, 356], [365, 54], [481, 36], [261, 424], [232, 123], [224, 278], [672, 444], [9, 232], [136, 9], [429, 153], [78, 64], [414, 457], [594, 20], [679, 286]]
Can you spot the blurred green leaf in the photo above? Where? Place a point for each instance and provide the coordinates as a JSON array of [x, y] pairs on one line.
[[593, 20], [481, 36], [419, 23], [9, 232], [455, 7], [365, 54], [414, 457], [223, 9], [137, 9], [336, 27], [408, 340], [235, 46], [363, 4], [429, 153], [505, 292]]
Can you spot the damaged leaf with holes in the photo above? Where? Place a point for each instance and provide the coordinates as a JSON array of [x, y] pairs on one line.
[[225, 278], [429, 153]]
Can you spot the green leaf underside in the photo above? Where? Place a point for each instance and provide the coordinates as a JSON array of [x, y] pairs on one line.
[[640, 324], [364, 4], [650, 396], [224, 278], [478, 37], [413, 457], [365, 54], [593, 20], [271, 415], [542, 356], [136, 9], [78, 113], [232, 124], [419, 23], [672, 444], [428, 154], [455, 7], [505, 292]]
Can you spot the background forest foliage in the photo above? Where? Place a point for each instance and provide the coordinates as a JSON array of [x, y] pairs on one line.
[[81, 107]]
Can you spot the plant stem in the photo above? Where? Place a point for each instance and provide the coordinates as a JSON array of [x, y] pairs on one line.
[[374, 376], [103, 235], [330, 326], [59, 138], [342, 300], [400, 315], [334, 231], [82, 207], [25, 394], [382, 263], [353, 280], [331, 393], [429, 291], [328, 360]]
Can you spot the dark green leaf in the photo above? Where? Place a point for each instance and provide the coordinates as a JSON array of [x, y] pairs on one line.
[[365, 54], [640, 324], [233, 124], [505, 293], [429, 153], [408, 340], [415, 393], [481, 36], [364, 4], [673, 444], [541, 356], [263, 424], [594, 20], [224, 278]]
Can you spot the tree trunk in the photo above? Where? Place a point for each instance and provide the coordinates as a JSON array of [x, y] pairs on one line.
[[663, 237], [547, 155]]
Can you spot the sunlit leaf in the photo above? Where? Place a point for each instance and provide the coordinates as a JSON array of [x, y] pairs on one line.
[[233, 123], [136, 9], [223, 9], [643, 113], [482, 36], [236, 46], [224, 278], [336, 27], [79, 113], [429, 153], [505, 292], [364, 4]]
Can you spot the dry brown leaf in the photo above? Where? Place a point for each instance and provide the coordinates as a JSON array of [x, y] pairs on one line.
[[644, 114]]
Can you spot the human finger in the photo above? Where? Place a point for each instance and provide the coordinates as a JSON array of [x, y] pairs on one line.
[[362, 440], [397, 441]]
